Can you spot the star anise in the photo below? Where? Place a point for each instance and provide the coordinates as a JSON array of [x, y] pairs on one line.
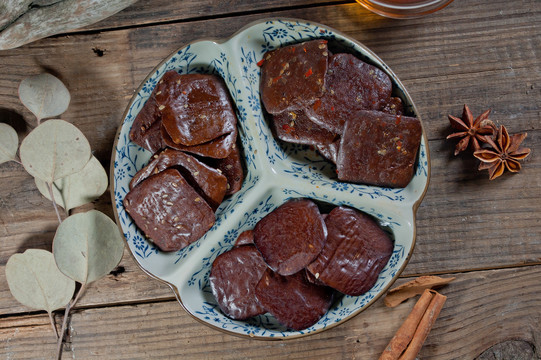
[[505, 153], [469, 129]]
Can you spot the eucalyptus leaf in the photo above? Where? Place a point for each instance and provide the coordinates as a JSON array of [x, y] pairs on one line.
[[35, 280], [77, 189], [44, 95], [54, 150], [9, 142], [87, 246]]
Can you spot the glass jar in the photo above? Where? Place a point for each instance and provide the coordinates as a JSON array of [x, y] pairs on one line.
[[402, 9]]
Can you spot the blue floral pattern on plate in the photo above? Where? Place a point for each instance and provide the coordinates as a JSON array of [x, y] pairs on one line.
[[276, 172]]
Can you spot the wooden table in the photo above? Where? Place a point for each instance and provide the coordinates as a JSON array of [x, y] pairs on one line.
[[484, 53]]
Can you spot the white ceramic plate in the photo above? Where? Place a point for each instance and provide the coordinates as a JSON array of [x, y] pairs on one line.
[[275, 173]]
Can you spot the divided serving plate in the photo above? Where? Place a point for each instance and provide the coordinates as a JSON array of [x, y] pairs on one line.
[[275, 173]]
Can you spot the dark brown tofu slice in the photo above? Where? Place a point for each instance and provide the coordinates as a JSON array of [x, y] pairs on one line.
[[233, 279], [231, 167], [295, 127], [291, 236], [330, 151], [169, 211], [208, 182], [395, 106], [145, 130], [195, 108], [379, 149], [293, 77], [293, 300], [356, 251], [350, 85], [219, 148], [245, 238]]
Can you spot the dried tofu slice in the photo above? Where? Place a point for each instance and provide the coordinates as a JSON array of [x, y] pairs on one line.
[[330, 151], [208, 182], [350, 85], [219, 148], [245, 238], [379, 149], [169, 211], [395, 106], [233, 279], [195, 108], [291, 236], [295, 127], [231, 167], [145, 130], [356, 251], [293, 77], [293, 300]]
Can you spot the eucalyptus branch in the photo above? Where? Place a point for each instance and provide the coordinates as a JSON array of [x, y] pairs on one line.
[[53, 324], [70, 305], [51, 193]]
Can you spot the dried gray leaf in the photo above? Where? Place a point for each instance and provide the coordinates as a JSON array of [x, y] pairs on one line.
[[53, 150], [77, 189], [87, 246], [44, 95], [9, 142], [35, 280]]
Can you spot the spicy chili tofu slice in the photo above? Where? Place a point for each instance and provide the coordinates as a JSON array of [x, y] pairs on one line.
[[293, 77], [350, 85], [295, 127], [379, 149]]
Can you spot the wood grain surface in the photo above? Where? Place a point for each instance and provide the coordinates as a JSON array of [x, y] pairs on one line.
[[484, 53]]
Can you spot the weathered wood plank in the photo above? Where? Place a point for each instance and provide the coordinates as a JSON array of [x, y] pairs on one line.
[[511, 309], [146, 12]]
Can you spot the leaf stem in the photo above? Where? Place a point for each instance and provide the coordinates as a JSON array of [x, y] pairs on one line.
[[51, 194], [65, 322], [53, 324]]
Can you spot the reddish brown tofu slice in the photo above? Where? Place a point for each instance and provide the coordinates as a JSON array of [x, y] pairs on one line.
[[291, 236], [219, 148], [293, 300], [233, 279], [195, 108], [395, 106], [245, 238], [350, 85], [379, 149], [330, 151], [231, 166], [169, 211], [356, 251], [295, 127], [293, 77], [208, 182], [145, 130]]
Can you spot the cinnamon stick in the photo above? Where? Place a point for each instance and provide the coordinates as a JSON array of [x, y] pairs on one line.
[[409, 339], [412, 288]]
